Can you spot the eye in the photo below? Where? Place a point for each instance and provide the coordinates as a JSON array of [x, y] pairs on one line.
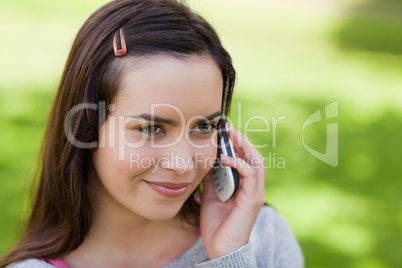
[[151, 129], [205, 128]]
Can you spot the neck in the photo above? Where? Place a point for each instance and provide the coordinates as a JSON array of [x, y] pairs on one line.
[[112, 244], [121, 238]]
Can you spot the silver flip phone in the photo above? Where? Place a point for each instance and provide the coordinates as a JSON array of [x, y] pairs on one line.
[[225, 179]]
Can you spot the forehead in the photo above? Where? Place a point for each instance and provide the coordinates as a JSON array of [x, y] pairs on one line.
[[167, 85]]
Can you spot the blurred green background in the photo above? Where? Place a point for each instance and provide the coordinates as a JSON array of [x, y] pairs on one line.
[[293, 58]]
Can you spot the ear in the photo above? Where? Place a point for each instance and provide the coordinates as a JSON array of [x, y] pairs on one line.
[[208, 190]]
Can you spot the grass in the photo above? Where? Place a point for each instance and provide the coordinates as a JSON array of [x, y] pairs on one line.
[[292, 60]]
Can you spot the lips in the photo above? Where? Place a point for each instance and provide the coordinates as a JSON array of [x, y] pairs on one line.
[[169, 189], [170, 185]]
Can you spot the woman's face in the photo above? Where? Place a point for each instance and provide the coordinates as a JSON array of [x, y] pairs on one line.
[[150, 166]]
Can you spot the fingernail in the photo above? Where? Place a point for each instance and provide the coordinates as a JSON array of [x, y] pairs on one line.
[[224, 159]]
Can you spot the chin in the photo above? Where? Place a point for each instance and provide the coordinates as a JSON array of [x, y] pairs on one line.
[[163, 212]]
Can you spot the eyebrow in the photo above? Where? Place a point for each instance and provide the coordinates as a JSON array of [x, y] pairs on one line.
[[157, 119]]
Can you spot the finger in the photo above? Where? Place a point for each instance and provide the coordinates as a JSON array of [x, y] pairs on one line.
[[238, 151], [250, 154], [241, 142], [247, 172]]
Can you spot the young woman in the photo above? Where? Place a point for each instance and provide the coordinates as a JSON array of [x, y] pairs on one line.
[[131, 136]]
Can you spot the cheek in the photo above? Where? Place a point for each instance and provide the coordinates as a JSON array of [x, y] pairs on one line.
[[141, 160], [205, 159], [119, 165], [120, 149], [107, 163]]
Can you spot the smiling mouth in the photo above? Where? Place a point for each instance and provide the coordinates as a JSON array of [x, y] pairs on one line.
[[169, 189]]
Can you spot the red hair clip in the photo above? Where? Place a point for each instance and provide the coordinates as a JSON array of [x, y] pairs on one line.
[[123, 50]]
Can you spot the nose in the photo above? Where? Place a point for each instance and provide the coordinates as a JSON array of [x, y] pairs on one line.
[[179, 159]]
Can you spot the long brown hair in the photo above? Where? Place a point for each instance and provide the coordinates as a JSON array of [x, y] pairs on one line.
[[61, 214]]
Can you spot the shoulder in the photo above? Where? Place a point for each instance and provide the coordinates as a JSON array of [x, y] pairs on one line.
[[274, 242], [270, 221], [30, 263]]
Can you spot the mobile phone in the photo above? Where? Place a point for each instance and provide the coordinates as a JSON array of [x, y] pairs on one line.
[[225, 179]]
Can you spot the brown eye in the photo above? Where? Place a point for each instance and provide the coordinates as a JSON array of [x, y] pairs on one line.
[[205, 128], [151, 129]]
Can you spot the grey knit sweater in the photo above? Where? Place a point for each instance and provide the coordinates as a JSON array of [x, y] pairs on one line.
[[272, 244]]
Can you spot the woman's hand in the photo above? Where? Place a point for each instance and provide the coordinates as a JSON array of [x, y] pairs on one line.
[[226, 226]]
